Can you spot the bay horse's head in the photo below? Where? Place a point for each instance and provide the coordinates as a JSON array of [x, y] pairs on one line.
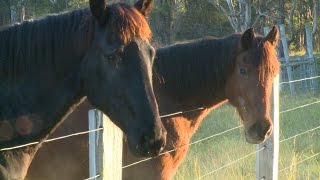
[[117, 73], [250, 85]]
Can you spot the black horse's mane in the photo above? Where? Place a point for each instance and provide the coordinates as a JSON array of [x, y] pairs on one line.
[[41, 44]]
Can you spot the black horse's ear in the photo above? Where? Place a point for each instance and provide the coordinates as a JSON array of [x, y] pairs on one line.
[[98, 10], [144, 6], [273, 36], [247, 38]]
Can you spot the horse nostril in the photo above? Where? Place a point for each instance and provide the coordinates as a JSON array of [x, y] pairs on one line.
[[269, 131], [263, 130]]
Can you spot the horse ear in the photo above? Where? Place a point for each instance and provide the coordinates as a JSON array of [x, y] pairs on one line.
[[273, 36], [98, 10], [247, 38], [144, 6]]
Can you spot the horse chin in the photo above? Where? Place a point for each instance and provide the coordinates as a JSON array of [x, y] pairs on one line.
[[137, 151], [254, 138]]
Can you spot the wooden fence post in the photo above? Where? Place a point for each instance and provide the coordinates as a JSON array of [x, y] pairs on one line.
[[309, 46], [286, 56], [105, 148], [267, 159]]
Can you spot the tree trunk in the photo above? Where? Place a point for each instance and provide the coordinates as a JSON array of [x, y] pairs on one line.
[[281, 16], [315, 16]]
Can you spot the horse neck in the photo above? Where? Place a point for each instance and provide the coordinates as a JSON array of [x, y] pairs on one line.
[[42, 79], [194, 74]]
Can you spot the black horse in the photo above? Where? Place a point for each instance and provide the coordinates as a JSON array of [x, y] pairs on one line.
[[48, 66]]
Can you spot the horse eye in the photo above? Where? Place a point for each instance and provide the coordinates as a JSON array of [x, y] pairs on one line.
[[243, 71]]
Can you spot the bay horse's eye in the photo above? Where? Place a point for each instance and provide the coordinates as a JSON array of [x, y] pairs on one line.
[[243, 71]]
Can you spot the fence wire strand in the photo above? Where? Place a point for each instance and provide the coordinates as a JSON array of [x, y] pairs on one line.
[[299, 107], [299, 80], [94, 177], [86, 132], [299, 162], [226, 165], [50, 140], [181, 112], [305, 132]]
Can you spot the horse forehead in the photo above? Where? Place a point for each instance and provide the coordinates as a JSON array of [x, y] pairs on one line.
[[138, 45]]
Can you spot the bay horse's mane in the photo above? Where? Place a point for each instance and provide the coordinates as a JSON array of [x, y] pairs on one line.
[[22, 45], [211, 68], [217, 56]]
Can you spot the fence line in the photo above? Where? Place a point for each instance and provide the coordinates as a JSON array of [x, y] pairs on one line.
[[299, 80], [299, 107], [86, 132], [305, 132], [310, 130], [300, 161], [172, 114], [49, 140], [181, 112], [195, 142], [162, 116], [208, 137], [226, 165], [261, 150]]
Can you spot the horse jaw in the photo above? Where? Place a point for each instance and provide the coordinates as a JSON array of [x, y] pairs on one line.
[[15, 163]]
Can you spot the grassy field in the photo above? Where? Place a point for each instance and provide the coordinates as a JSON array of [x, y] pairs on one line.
[[210, 155]]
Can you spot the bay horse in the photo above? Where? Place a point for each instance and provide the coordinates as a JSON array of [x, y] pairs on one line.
[[48, 66], [206, 73]]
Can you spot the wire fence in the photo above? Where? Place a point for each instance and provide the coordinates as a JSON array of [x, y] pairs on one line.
[[198, 141], [86, 132], [224, 166], [299, 162], [250, 154], [50, 140]]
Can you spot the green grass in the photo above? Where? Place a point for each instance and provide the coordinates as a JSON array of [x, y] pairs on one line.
[[209, 155]]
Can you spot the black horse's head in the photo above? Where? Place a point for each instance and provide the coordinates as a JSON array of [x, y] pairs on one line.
[[117, 73]]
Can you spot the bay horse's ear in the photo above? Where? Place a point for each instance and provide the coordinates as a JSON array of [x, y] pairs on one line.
[[98, 10], [273, 36], [247, 38], [144, 6]]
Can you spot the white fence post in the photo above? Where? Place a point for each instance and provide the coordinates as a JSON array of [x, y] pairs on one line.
[[105, 148], [267, 159]]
